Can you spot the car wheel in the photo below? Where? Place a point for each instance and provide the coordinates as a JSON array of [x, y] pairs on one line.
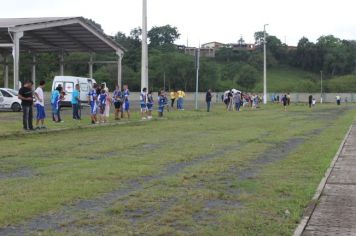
[[16, 107]]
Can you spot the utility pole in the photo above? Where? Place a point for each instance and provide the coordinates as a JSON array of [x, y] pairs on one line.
[[197, 67], [264, 66], [144, 66], [321, 87], [164, 81]]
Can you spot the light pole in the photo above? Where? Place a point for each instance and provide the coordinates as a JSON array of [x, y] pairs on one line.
[[197, 67], [321, 86], [264, 66], [144, 62]]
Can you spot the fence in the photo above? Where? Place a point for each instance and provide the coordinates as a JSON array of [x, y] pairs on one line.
[[295, 97]]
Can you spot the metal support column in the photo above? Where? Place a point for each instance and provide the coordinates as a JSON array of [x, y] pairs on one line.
[[16, 53], [61, 64], [144, 63], [91, 63], [34, 70], [119, 69], [6, 72]]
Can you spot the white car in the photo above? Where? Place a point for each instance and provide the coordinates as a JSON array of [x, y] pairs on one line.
[[9, 99]]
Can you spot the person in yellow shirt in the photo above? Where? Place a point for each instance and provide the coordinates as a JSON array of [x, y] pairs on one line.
[[173, 97], [180, 101]]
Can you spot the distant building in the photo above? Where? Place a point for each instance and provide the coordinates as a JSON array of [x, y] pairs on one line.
[[292, 48], [243, 46], [204, 52], [215, 45]]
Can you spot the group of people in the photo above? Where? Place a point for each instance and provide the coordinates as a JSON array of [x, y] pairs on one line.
[[99, 101], [179, 97], [235, 100]]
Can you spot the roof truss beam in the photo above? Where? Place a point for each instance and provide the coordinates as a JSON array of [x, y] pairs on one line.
[[74, 40], [42, 41]]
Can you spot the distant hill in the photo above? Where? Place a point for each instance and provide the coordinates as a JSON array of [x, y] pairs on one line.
[[289, 79]]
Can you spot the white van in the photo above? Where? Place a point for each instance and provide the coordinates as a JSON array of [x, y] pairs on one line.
[[68, 83]]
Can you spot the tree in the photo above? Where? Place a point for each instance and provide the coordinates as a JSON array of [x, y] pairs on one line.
[[241, 41], [136, 33], [163, 35], [259, 37]]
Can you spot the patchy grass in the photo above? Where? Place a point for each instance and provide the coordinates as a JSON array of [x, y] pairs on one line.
[[192, 173]]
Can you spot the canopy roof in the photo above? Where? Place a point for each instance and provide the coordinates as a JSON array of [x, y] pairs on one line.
[[54, 34]]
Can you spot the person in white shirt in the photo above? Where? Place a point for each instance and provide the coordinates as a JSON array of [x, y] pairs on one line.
[[39, 103]]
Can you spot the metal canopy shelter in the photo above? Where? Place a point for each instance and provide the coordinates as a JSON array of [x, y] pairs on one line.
[[53, 34]]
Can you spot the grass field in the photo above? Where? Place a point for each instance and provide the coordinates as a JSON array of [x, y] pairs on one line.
[[192, 173]]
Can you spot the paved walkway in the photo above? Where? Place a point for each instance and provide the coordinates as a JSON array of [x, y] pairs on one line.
[[335, 213]]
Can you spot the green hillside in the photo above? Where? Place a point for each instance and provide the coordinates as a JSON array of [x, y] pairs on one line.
[[289, 79], [346, 83]]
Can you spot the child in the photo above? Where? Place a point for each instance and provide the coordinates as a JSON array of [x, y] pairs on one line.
[[143, 103], [127, 101], [313, 102], [92, 97], [108, 104], [102, 106], [55, 103], [117, 102], [150, 103], [161, 103], [166, 100]]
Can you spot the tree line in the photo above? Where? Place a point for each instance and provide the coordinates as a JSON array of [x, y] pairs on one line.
[[169, 66]]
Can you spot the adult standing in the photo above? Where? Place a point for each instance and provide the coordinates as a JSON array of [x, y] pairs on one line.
[[288, 99], [285, 101], [310, 100], [26, 96], [237, 100], [40, 106], [229, 98], [180, 101], [117, 96], [76, 102], [208, 100]]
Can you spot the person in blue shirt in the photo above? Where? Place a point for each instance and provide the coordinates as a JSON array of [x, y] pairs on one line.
[[55, 100], [143, 103], [76, 102], [127, 101], [117, 97], [150, 103], [161, 103], [92, 98], [102, 106]]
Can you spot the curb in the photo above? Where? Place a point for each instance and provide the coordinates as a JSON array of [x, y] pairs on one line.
[[303, 223]]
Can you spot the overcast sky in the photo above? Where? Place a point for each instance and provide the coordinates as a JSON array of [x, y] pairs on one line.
[[206, 20]]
